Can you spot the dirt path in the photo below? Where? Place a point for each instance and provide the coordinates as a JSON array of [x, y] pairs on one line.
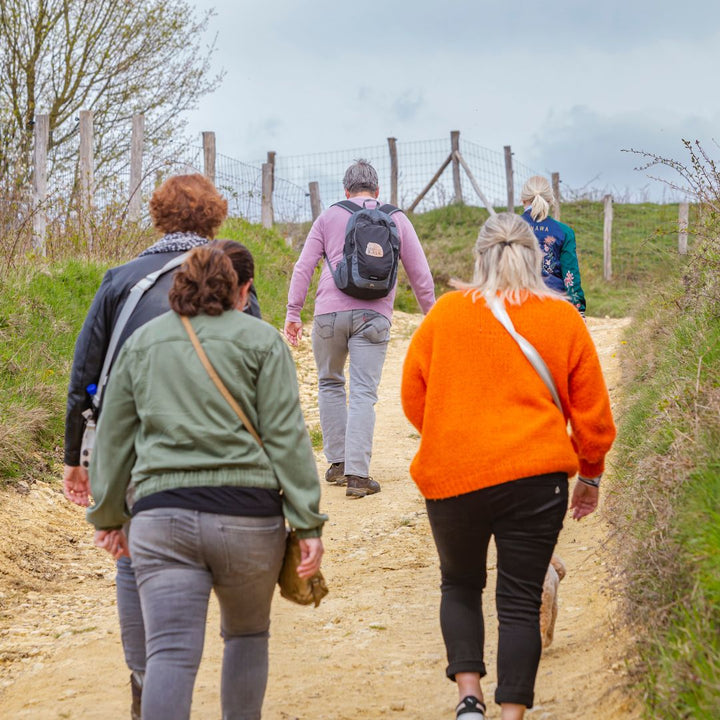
[[373, 648]]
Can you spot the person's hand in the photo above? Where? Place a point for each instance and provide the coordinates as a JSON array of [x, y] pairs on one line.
[[293, 332], [76, 484], [114, 541], [311, 552], [584, 500]]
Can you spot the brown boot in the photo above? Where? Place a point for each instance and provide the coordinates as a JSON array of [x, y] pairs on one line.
[[136, 685], [336, 474], [361, 486]]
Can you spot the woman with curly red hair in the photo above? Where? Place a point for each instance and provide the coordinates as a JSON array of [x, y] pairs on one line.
[[188, 210], [210, 501], [185, 208]]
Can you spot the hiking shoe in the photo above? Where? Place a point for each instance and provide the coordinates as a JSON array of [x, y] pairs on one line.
[[470, 708], [361, 486], [136, 685], [336, 473]]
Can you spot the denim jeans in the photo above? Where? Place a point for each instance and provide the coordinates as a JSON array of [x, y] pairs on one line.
[[179, 556], [525, 517], [132, 628], [348, 419]]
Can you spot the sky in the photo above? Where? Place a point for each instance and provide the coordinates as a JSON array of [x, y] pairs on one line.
[[568, 84]]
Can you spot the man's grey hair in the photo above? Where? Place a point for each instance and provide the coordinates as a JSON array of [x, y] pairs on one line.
[[361, 175]]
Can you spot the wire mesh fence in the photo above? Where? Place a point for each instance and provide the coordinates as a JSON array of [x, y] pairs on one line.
[[417, 162], [241, 184]]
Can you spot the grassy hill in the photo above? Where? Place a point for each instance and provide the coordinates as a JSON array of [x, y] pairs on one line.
[[644, 250], [43, 304]]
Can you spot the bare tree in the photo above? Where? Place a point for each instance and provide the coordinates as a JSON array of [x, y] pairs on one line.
[[114, 57]]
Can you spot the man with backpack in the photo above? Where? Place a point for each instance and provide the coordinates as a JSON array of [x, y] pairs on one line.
[[362, 242]]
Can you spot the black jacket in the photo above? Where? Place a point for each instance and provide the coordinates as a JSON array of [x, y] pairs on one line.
[[94, 338]]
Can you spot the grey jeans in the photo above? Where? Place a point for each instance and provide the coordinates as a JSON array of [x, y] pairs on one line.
[[179, 556], [348, 420], [132, 628]]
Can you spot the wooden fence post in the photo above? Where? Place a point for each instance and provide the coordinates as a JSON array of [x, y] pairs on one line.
[[455, 148], [209, 155], [509, 179], [556, 194], [86, 174], [42, 134], [266, 208], [271, 161], [683, 217], [136, 153], [607, 237], [315, 204], [392, 145]]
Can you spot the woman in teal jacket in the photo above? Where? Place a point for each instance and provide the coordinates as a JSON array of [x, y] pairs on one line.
[[557, 241], [209, 503]]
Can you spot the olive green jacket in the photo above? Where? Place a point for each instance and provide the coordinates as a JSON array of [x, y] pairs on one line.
[[165, 425]]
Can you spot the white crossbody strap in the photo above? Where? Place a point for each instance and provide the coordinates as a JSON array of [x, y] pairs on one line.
[[137, 291], [497, 307]]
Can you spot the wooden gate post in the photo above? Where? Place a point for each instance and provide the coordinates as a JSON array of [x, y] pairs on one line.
[[271, 161], [683, 216], [266, 207], [87, 180], [136, 156], [556, 194], [607, 237], [315, 204], [455, 148], [392, 145], [209, 155], [42, 135], [509, 179]]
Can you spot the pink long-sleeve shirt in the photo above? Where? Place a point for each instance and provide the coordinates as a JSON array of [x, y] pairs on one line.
[[327, 235]]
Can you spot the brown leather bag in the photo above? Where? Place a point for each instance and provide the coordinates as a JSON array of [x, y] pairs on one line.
[[303, 591]]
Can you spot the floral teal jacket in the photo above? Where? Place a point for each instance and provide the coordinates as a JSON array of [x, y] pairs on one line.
[[560, 264]]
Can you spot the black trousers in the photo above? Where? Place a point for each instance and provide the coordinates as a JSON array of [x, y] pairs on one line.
[[525, 517]]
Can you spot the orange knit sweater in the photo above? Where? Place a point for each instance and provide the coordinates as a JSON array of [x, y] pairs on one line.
[[484, 415]]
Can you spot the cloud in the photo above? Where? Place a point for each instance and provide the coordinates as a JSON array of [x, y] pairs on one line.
[[588, 148], [408, 105], [344, 30]]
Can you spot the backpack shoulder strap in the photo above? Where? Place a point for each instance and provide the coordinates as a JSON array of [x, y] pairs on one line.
[[389, 209], [348, 205]]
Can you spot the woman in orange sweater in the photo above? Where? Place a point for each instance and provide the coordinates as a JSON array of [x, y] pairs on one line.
[[495, 455]]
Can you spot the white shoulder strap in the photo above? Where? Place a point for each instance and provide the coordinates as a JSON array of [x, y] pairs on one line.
[[133, 299], [497, 307]]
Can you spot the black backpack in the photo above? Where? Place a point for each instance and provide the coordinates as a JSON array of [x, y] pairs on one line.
[[368, 270]]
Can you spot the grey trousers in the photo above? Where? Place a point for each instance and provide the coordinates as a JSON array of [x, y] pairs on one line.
[[348, 419], [179, 556], [132, 628]]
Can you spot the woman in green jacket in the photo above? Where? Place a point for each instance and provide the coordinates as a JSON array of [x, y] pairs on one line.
[[209, 503]]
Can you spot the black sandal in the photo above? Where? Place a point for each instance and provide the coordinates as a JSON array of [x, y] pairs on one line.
[[470, 708]]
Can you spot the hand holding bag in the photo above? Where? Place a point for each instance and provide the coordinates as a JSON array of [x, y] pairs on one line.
[[303, 591]]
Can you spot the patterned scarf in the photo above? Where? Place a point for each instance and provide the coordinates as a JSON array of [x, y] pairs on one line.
[[176, 242]]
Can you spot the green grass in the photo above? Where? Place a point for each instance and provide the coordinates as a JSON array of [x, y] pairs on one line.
[[666, 500], [644, 249], [274, 261], [41, 312]]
